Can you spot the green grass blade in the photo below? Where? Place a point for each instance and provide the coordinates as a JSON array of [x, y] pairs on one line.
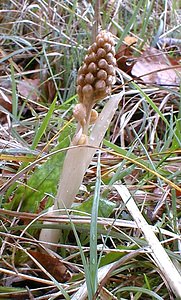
[[129, 25], [14, 94], [16, 52], [93, 230], [51, 73], [142, 290], [43, 125], [84, 262], [155, 108]]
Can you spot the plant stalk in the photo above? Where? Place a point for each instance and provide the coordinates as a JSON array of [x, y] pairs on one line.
[[76, 162]]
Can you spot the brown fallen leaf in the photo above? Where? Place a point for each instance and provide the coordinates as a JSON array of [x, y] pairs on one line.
[[52, 265], [124, 55], [178, 193], [48, 90], [29, 88], [154, 67]]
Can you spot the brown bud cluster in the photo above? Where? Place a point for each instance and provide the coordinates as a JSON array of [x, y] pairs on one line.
[[97, 74]]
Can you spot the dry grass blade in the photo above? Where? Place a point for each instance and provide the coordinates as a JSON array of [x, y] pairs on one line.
[[52, 217], [27, 277], [159, 254]]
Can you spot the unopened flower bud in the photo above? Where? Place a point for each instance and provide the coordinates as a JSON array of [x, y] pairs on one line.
[[79, 113], [92, 67], [110, 80], [110, 58], [101, 53], [90, 58], [80, 79], [102, 74], [100, 85], [92, 48], [107, 47], [100, 41], [79, 92], [83, 140], [93, 116], [111, 70], [83, 69], [113, 50], [89, 78], [87, 90], [102, 64], [97, 74]]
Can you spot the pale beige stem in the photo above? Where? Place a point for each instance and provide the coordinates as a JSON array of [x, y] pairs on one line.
[[76, 163]]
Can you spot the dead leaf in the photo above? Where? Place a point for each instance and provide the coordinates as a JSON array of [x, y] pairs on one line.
[[49, 91], [178, 193], [124, 54], [52, 265], [130, 40], [29, 88], [154, 67]]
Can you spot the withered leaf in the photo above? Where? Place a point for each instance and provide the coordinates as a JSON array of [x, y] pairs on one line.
[[53, 265], [29, 88], [124, 55], [155, 67]]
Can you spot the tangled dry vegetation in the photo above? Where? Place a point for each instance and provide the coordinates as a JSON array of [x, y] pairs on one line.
[[90, 147]]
